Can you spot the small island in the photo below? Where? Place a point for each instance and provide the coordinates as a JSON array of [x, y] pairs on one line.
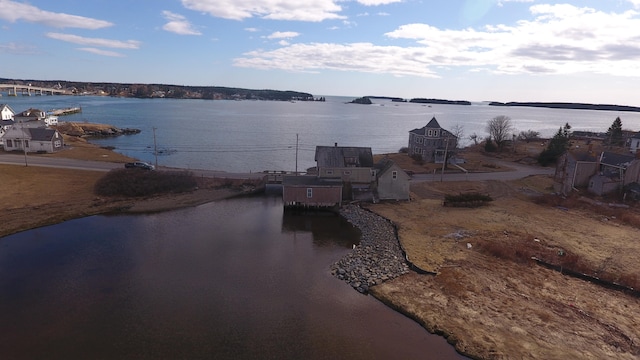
[[363, 101], [440, 101]]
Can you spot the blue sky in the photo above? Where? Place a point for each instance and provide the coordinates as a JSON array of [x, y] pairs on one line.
[[477, 50]]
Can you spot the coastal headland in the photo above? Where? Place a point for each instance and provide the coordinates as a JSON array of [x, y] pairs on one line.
[[485, 294]]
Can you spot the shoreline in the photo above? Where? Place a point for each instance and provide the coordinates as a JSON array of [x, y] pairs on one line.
[[487, 307]]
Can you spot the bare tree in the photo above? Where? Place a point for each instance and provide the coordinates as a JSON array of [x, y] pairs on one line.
[[499, 129], [529, 135], [458, 131], [474, 137]]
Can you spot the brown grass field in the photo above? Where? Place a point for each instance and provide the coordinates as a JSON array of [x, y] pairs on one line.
[[490, 299]]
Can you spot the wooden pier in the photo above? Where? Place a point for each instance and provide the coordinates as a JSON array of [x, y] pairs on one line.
[[65, 111]]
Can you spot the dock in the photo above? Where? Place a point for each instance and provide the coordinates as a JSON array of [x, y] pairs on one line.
[[65, 111]]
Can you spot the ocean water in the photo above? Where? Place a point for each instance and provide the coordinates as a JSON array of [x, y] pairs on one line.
[[243, 136]]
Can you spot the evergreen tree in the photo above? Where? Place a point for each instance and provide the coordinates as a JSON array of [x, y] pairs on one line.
[[614, 133], [557, 146]]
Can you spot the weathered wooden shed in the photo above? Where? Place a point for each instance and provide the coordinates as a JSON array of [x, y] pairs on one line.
[[573, 170], [311, 192], [392, 181]]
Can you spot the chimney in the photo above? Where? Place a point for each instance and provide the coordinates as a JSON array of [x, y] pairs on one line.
[[335, 144]]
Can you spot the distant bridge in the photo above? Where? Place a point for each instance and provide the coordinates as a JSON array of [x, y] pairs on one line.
[[28, 90]]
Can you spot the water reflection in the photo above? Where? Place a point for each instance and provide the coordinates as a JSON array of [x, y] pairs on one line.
[[227, 280]]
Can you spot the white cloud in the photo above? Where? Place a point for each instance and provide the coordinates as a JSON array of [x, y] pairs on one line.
[[178, 24], [283, 35], [635, 3], [251, 29], [13, 11], [310, 10], [18, 49], [377, 2], [102, 52], [361, 57], [560, 39], [129, 44]]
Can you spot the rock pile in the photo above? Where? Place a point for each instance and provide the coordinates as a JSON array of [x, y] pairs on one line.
[[378, 257]]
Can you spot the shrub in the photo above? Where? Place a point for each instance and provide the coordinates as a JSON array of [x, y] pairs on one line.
[[466, 200], [489, 146], [136, 182]]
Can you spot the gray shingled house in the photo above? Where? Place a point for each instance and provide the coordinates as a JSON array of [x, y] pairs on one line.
[[32, 140], [431, 142]]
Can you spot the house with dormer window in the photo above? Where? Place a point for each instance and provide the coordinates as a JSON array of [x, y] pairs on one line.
[[431, 142]]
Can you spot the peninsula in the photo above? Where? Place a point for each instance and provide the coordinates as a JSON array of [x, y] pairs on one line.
[[566, 105], [147, 91]]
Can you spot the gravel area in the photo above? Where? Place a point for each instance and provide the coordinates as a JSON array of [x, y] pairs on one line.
[[377, 258]]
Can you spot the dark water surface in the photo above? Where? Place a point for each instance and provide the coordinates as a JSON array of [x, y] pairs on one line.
[[235, 279]]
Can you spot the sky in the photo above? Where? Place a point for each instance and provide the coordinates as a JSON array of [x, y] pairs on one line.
[[477, 50]]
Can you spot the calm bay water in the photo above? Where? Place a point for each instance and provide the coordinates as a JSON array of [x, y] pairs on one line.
[[230, 280], [243, 136], [234, 279]]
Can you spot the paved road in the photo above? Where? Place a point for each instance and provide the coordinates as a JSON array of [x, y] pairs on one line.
[[34, 160], [519, 171]]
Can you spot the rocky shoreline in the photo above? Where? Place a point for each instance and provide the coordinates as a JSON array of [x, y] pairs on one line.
[[377, 258]]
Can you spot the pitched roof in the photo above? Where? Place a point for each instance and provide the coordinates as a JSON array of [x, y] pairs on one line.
[[383, 165], [432, 124], [3, 106], [41, 134], [6, 122], [609, 158], [386, 164], [342, 156]]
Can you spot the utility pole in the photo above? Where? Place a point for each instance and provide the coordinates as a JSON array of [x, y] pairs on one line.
[[444, 163], [155, 147], [296, 154], [24, 143]]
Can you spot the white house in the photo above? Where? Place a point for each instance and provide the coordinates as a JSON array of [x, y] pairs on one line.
[[6, 112], [51, 120], [32, 140], [4, 126]]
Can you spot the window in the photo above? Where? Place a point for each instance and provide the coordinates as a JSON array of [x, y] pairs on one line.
[[9, 143], [419, 140], [26, 143], [309, 193], [57, 143], [346, 172], [430, 133], [329, 172], [394, 175]]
